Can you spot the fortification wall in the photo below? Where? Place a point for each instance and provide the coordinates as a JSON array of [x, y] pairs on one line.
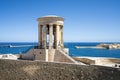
[[35, 70]]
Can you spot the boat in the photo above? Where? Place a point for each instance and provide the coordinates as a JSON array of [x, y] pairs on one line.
[[10, 46]]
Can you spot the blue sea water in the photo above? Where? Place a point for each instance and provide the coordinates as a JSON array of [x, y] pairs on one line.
[[86, 52]]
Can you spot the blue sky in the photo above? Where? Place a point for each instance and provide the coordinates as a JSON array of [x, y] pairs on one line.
[[85, 20]]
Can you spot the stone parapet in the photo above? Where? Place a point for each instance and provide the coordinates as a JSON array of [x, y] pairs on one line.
[[36, 70]]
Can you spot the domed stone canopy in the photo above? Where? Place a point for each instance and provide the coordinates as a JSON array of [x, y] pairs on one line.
[[50, 28], [50, 16]]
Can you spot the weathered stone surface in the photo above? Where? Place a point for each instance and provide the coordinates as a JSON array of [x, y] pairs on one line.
[[63, 57], [35, 70], [85, 60]]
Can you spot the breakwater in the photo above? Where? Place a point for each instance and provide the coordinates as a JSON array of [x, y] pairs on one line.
[[36, 70]]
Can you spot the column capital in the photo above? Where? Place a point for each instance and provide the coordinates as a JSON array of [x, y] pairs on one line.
[[50, 24], [59, 25], [44, 25]]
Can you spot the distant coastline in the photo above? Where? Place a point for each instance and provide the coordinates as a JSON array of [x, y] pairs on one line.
[[102, 46]]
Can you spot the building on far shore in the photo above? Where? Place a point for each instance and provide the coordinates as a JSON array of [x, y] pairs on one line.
[[50, 41]]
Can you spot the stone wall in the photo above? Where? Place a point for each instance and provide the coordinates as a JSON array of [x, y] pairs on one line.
[[62, 57], [35, 70], [37, 54]]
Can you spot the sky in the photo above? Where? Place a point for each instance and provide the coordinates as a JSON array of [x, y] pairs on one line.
[[85, 20]]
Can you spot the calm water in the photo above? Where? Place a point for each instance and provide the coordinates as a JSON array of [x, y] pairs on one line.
[[87, 52]]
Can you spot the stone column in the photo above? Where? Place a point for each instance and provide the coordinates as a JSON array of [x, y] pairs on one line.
[[44, 37], [54, 33], [40, 36], [60, 35], [57, 36], [62, 44], [50, 36]]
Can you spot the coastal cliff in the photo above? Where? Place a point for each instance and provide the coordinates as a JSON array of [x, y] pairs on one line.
[[36, 70]]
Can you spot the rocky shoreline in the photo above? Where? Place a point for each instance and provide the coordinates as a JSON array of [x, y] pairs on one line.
[[109, 46]]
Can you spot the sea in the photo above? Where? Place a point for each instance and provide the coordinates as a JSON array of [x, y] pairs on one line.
[[23, 47]]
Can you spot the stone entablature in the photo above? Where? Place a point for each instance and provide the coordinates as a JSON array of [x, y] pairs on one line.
[[51, 20]]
